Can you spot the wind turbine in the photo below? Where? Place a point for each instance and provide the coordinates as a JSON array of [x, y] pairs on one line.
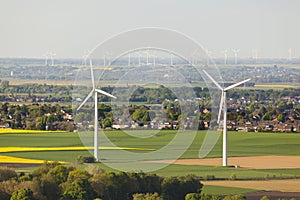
[[51, 57], [223, 104], [147, 57], [208, 55], [235, 51], [225, 56], [95, 92], [46, 59], [171, 59], [129, 60], [290, 54], [85, 57]]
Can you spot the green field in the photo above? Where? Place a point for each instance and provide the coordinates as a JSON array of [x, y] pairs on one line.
[[240, 144], [220, 190]]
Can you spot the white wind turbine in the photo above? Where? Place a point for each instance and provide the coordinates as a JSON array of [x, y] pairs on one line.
[[129, 60], [171, 59], [290, 54], [147, 56], [235, 51], [46, 59], [208, 55], [223, 104], [225, 56], [52, 58], [85, 57], [95, 93]]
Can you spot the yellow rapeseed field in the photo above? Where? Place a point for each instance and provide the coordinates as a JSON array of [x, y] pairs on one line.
[[11, 159], [9, 130], [80, 148]]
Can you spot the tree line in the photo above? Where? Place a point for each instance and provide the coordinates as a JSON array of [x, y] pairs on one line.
[[53, 181]]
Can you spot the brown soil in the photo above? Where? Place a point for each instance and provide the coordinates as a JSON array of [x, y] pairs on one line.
[[253, 162], [19, 165], [291, 185], [273, 195]]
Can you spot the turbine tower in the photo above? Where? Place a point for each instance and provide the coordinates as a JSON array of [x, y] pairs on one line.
[[223, 104], [235, 51], [290, 54], [85, 57], [95, 92], [225, 56], [208, 55], [52, 58], [129, 60], [46, 59], [171, 59]]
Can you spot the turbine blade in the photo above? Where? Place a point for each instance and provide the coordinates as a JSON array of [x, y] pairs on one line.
[[105, 93], [236, 84], [92, 74], [85, 100], [221, 107], [213, 80]]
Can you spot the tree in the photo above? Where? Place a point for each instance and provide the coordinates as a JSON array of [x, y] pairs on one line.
[[49, 187], [79, 189], [187, 184], [265, 198], [193, 196], [107, 123], [147, 196], [235, 197], [7, 173], [23, 194], [5, 84], [59, 174]]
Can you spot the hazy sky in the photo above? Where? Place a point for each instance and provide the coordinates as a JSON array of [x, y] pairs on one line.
[[69, 27]]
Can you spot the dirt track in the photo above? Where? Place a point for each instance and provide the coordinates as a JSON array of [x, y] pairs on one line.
[[253, 162]]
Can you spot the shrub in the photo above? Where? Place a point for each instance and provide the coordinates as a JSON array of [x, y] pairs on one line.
[[210, 177], [86, 159], [233, 177]]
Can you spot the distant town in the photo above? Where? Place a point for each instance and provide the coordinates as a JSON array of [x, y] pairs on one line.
[[39, 96]]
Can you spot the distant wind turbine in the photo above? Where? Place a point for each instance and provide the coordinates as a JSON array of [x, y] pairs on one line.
[[85, 57], [290, 54], [171, 59], [52, 58], [129, 60], [208, 55], [225, 56], [235, 51], [223, 104], [46, 59], [95, 92]]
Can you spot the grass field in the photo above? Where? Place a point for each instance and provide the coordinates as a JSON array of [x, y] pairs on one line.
[[240, 144], [221, 190]]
